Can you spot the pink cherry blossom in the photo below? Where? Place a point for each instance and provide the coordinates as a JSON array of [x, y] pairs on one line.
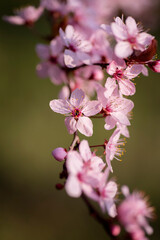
[[52, 61], [114, 107], [27, 15], [129, 37], [78, 111], [105, 193], [133, 213], [123, 75], [114, 148], [83, 169], [78, 49]]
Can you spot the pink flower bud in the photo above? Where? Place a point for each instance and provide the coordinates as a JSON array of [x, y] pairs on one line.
[[115, 230], [59, 154], [155, 65]]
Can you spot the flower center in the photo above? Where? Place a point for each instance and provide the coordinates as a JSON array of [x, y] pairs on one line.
[[118, 74], [76, 113]]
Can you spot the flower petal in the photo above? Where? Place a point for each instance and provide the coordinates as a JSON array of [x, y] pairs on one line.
[[85, 126], [74, 162], [70, 58], [85, 151], [123, 49], [92, 108], [73, 187], [71, 124], [60, 106], [77, 98]]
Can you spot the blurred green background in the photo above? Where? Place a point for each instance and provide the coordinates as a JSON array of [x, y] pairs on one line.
[[31, 208]]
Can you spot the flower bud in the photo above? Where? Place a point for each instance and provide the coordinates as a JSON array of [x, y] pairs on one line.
[[115, 230], [155, 65], [59, 154]]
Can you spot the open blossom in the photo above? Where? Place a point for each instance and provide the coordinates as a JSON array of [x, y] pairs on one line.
[[105, 193], [83, 169], [52, 58], [27, 15], [78, 48], [133, 213], [78, 111], [129, 37], [114, 107], [114, 148], [123, 76]]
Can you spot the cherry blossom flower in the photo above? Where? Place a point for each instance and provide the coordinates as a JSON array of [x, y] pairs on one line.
[[83, 169], [27, 15], [128, 36], [52, 61], [115, 108], [133, 213], [123, 75], [78, 48], [78, 111], [114, 148], [105, 193]]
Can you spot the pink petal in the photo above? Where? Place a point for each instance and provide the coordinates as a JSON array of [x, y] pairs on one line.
[[108, 160], [122, 118], [77, 98], [83, 57], [42, 51], [42, 69], [127, 87], [60, 106], [14, 20], [110, 123], [73, 187], [71, 124], [119, 32], [111, 69], [74, 162], [70, 59], [110, 86], [133, 71], [97, 164], [92, 108], [144, 39], [85, 151], [69, 31], [123, 49], [131, 27], [56, 74], [85, 126], [111, 207], [111, 189]]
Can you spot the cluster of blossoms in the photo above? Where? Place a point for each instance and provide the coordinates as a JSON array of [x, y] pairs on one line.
[[79, 54]]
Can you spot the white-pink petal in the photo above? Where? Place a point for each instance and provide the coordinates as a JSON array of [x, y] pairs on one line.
[[77, 98], [123, 49], [85, 151], [85, 126], [74, 162], [70, 59], [71, 124], [120, 117], [73, 187], [60, 106], [92, 108], [131, 27]]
